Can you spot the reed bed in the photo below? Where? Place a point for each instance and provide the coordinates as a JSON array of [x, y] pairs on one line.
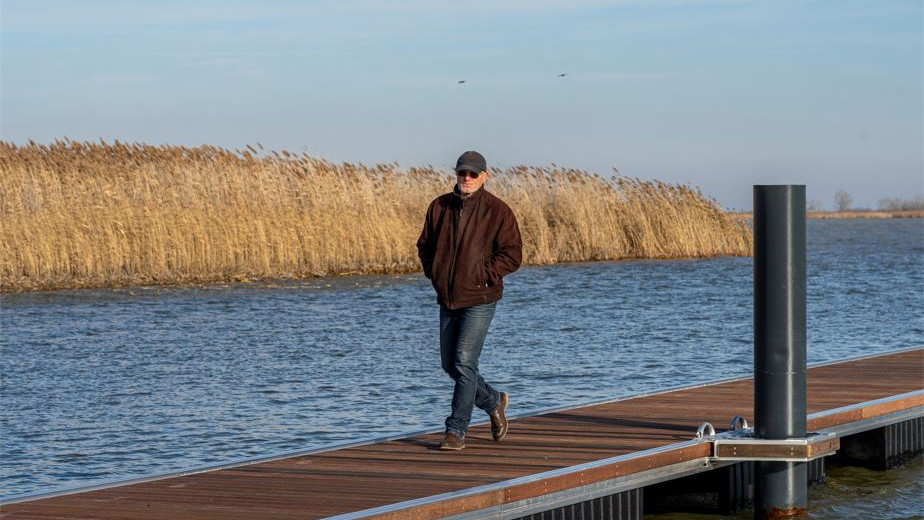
[[81, 214]]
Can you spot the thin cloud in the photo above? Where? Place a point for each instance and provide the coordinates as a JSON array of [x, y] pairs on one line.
[[112, 80], [624, 76], [532, 7]]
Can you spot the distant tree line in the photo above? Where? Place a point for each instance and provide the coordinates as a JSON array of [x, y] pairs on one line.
[[914, 204], [843, 202]]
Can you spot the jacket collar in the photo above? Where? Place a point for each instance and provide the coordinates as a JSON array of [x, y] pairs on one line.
[[471, 198]]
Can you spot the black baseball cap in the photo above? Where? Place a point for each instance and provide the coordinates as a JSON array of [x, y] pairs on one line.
[[471, 161]]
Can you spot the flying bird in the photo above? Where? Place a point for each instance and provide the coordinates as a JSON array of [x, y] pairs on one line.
[[461, 81], [563, 74]]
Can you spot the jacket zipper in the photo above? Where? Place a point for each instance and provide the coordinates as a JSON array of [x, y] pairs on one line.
[[455, 249]]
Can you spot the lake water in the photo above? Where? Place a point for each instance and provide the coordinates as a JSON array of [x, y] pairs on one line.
[[99, 385]]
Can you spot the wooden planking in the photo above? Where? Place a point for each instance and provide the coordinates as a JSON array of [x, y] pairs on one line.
[[363, 477]]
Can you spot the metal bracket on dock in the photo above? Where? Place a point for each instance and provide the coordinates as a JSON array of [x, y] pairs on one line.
[[705, 430], [740, 444]]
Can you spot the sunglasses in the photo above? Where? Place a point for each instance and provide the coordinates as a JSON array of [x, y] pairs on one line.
[[473, 175]]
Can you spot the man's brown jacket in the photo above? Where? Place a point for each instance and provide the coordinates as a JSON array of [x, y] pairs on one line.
[[467, 246]]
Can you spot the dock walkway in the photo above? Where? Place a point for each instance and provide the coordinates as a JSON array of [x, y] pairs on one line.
[[646, 438]]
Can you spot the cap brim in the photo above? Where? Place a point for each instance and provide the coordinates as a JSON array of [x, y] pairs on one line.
[[468, 168]]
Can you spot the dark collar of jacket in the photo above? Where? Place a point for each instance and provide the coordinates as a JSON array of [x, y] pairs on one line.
[[471, 198]]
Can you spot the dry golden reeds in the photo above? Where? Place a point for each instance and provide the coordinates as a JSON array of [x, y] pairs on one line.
[[78, 214]]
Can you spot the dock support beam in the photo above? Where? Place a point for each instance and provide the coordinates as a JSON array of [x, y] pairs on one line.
[[781, 489]]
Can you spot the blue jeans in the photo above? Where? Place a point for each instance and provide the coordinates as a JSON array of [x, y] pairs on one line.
[[462, 333]]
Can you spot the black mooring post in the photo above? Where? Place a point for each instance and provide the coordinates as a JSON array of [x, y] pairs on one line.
[[781, 488]]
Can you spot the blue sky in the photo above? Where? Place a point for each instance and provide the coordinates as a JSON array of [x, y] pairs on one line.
[[718, 94]]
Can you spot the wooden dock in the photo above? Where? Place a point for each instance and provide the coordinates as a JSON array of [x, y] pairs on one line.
[[568, 452]]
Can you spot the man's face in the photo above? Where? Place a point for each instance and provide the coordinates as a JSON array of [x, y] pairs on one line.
[[469, 185]]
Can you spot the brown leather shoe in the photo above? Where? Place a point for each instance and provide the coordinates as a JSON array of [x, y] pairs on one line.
[[452, 442], [499, 419]]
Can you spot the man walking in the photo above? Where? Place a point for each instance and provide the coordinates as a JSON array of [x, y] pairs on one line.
[[470, 241]]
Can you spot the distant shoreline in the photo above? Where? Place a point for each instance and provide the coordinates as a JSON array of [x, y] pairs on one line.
[[846, 214]]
